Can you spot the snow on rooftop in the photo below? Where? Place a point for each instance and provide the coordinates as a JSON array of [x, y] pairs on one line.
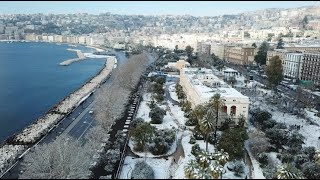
[[229, 70]]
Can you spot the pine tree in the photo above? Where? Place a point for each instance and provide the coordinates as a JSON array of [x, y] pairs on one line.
[[261, 56], [274, 72], [280, 44]]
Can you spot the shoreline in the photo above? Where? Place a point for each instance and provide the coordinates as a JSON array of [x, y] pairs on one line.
[[14, 145]]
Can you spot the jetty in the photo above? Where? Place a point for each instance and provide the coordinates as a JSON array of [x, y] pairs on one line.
[[69, 61]]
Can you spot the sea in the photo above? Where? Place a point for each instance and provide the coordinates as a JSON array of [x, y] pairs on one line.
[[32, 81]]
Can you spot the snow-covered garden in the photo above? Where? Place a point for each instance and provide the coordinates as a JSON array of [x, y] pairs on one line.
[[158, 114]]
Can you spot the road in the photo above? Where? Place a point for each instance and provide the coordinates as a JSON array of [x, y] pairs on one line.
[[76, 124]]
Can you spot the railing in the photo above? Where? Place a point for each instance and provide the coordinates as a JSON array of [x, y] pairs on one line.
[[123, 154]]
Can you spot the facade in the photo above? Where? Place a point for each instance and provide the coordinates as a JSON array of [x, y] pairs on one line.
[[178, 65], [276, 52], [218, 50], [200, 84], [239, 55], [311, 68], [304, 48], [292, 65], [203, 48]]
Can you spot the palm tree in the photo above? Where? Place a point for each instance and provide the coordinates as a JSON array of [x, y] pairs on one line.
[[207, 125], [190, 169], [216, 103], [287, 171]]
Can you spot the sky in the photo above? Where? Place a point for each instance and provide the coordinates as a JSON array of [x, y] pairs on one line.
[[194, 8]]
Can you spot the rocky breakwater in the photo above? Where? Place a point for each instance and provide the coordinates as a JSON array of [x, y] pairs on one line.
[[69, 61], [16, 144]]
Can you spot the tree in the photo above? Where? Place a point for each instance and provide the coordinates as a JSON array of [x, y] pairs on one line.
[[207, 166], [311, 170], [274, 72], [207, 125], [287, 171], [232, 80], [305, 21], [280, 44], [176, 49], [258, 143], [232, 141], [109, 106], [142, 170], [142, 134], [216, 103], [254, 45], [261, 56], [189, 50], [64, 158]]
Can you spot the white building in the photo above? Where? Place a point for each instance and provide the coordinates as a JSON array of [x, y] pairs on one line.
[[200, 85], [292, 65]]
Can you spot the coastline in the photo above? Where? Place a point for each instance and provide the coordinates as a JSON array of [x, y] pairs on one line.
[[16, 144]]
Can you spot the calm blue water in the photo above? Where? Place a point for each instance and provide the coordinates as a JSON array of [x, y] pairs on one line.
[[32, 81]]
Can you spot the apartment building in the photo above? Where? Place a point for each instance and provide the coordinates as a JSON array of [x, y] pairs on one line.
[[203, 48], [303, 48], [292, 65], [239, 55], [311, 67], [218, 50], [200, 84]]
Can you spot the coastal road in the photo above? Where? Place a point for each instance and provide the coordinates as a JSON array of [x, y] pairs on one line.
[[77, 123]]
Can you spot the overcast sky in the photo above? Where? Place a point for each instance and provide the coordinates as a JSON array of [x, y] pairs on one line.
[[195, 8]]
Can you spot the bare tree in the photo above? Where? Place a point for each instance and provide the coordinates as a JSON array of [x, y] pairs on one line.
[[128, 75], [110, 104], [258, 143], [64, 158]]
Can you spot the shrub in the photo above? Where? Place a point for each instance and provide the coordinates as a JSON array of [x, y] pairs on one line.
[[192, 140], [191, 122], [263, 159], [157, 115], [300, 159], [136, 122], [310, 152], [195, 149], [160, 146], [142, 170], [286, 158], [270, 123], [278, 137], [198, 135], [238, 169], [280, 126], [261, 116], [311, 170], [270, 172]]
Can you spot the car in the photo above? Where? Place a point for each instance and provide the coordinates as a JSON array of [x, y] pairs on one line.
[[91, 112]]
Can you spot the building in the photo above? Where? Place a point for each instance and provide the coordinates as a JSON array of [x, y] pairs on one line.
[[311, 67], [239, 55], [292, 65], [276, 52], [203, 48], [178, 65], [200, 85], [218, 50], [303, 48]]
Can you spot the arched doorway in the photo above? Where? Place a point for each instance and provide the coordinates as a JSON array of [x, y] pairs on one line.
[[233, 110]]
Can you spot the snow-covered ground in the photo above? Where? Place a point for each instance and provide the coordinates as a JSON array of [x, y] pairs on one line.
[[161, 167], [310, 132], [177, 113], [144, 109], [7, 154], [257, 171], [172, 91]]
